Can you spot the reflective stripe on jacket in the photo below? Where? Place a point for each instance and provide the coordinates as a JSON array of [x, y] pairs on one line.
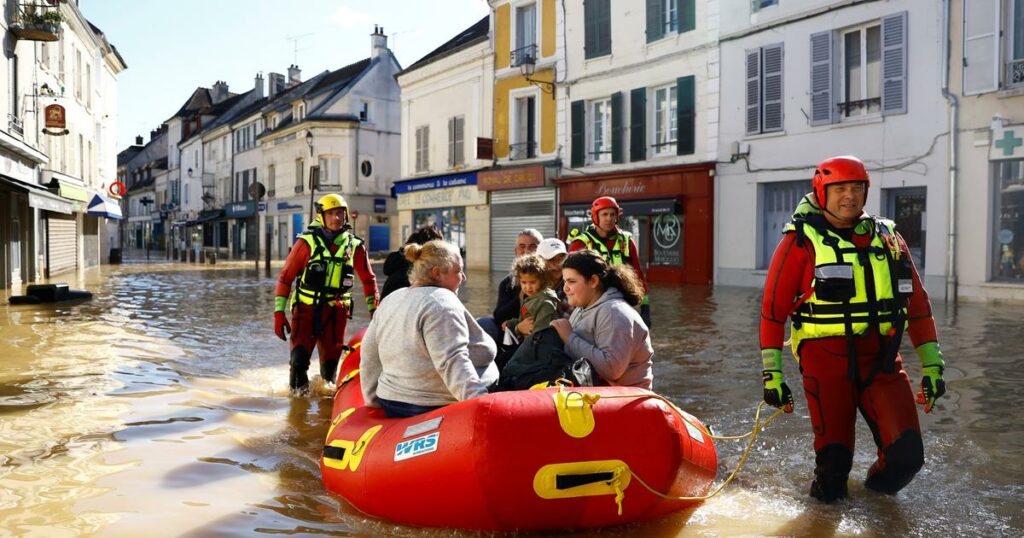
[[327, 276]]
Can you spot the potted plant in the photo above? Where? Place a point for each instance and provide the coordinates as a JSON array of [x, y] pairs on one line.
[[38, 25]]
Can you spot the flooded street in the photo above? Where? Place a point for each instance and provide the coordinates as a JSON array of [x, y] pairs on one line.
[[160, 408]]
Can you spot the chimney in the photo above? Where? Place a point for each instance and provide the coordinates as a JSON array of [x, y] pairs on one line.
[[378, 41], [276, 84], [220, 91], [294, 75], [138, 140], [258, 87]]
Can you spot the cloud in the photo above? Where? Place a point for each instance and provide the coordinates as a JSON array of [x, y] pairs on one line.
[[348, 18]]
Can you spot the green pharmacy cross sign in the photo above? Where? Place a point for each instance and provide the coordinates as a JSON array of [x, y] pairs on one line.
[[1008, 143]]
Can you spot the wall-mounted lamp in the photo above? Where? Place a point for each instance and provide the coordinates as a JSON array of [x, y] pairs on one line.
[[189, 172], [527, 66], [309, 142]]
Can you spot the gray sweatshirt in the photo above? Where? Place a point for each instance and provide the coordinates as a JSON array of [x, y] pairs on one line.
[[423, 347], [611, 335]]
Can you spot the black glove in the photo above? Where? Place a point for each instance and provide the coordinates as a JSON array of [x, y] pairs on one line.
[[645, 314]]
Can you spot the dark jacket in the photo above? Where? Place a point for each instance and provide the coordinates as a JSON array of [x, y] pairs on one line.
[[508, 301], [396, 269]]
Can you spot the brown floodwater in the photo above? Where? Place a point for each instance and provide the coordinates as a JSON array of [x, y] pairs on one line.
[[160, 408]]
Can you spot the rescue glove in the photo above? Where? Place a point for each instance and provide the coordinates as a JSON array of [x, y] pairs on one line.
[[933, 385], [645, 314], [281, 327], [776, 392]]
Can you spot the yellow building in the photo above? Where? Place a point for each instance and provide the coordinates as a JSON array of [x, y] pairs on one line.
[[528, 59]]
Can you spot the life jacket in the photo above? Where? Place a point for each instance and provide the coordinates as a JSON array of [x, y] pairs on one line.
[[855, 291], [618, 254], [328, 277]]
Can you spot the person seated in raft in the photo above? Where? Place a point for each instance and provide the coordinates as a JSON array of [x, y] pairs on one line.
[[396, 267], [539, 302], [423, 349], [604, 328]]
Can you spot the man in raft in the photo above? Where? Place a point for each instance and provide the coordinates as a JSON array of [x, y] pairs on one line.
[[847, 281]]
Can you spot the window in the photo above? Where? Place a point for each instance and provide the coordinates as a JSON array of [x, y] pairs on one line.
[[423, 148], [666, 17], [300, 178], [78, 74], [764, 89], [456, 152], [778, 200], [600, 131], [872, 71], [330, 172], [526, 26], [271, 181], [300, 111], [524, 137], [88, 85], [1008, 251], [665, 120], [597, 28], [364, 112]]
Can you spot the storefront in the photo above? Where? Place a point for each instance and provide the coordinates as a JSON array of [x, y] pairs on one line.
[[669, 211], [520, 198], [1007, 162], [454, 205], [244, 242]]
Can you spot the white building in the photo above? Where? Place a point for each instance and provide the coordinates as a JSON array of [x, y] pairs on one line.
[[446, 106], [59, 63], [341, 127], [805, 80]]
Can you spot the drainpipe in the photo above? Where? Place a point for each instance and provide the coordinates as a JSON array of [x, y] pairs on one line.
[[954, 127]]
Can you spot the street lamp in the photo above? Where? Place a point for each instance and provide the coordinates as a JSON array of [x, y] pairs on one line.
[[312, 180]]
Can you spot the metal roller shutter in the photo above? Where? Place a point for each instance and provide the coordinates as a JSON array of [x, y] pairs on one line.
[[61, 244], [514, 211]]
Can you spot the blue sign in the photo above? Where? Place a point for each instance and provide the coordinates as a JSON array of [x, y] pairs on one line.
[[285, 205], [436, 182], [380, 205], [240, 210], [263, 206]]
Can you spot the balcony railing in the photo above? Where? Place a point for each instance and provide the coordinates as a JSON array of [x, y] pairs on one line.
[[522, 150], [1015, 73], [37, 21], [14, 125], [863, 106], [524, 55]]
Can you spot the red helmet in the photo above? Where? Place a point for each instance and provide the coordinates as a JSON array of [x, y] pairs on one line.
[[604, 202], [837, 170]]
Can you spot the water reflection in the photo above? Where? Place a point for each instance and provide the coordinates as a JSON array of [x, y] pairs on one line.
[[162, 404]]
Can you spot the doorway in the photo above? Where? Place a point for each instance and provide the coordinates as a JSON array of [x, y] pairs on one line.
[[907, 207]]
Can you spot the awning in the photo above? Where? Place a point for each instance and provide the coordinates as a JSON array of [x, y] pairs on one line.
[[40, 198], [72, 192], [206, 216], [101, 206]]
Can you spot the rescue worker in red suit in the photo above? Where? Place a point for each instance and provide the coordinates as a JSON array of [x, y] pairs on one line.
[[850, 287], [323, 260], [615, 246]]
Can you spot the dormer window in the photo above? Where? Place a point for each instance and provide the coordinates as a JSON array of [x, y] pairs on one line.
[[300, 111]]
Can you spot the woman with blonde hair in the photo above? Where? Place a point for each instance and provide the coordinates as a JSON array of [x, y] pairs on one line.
[[423, 349]]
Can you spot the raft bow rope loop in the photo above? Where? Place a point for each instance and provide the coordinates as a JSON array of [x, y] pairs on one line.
[[585, 399]]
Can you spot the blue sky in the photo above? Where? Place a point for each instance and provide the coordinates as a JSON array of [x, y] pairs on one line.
[[172, 47]]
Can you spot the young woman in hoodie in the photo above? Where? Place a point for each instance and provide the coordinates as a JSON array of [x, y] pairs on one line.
[[604, 328]]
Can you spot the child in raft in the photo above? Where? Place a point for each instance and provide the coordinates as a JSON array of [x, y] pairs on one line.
[[539, 303]]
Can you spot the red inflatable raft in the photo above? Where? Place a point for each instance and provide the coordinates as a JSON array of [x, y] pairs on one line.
[[524, 460]]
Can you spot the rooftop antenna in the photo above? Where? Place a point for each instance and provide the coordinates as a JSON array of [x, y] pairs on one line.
[[295, 45]]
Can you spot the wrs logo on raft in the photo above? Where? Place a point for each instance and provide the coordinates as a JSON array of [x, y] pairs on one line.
[[416, 447]]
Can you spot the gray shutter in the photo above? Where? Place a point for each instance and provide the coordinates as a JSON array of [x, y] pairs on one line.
[[419, 140], [686, 11], [638, 124], [686, 116], [894, 64], [426, 148], [578, 141], [772, 56], [655, 22], [753, 91], [981, 46], [618, 128], [822, 105], [604, 26], [451, 142]]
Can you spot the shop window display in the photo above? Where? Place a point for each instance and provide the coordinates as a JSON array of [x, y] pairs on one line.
[[1009, 226]]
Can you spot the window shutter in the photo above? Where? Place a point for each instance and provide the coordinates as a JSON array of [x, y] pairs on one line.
[[772, 56], [686, 127], [637, 124], [822, 106], [753, 91], [426, 147], [579, 139], [894, 64], [419, 154], [604, 28], [686, 10], [618, 128], [589, 29], [655, 22], [451, 142], [981, 46]]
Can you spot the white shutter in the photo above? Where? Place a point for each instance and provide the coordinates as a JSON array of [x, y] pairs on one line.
[[753, 91], [981, 41], [771, 56], [822, 53], [61, 244], [894, 64]]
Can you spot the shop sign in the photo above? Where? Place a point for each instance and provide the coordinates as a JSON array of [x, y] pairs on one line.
[[54, 115], [437, 182], [380, 205], [240, 210], [451, 197], [282, 206], [621, 187], [511, 178], [1007, 143], [667, 232]]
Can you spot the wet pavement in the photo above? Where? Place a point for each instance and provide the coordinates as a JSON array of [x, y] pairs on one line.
[[160, 408]]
